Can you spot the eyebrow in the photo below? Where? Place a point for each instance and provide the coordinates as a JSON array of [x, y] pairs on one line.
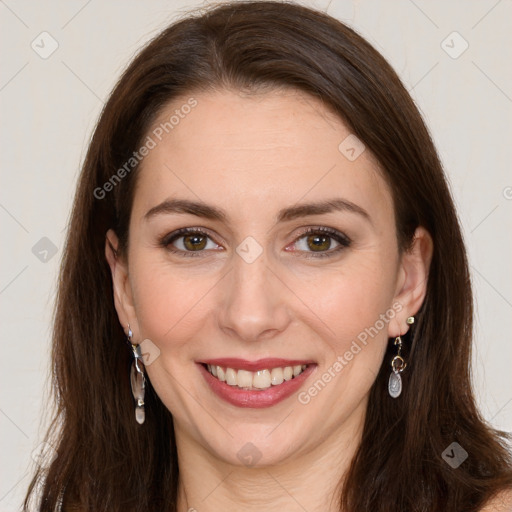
[[200, 209]]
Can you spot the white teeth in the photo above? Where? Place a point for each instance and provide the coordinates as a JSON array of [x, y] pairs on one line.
[[244, 379], [231, 377], [261, 379], [276, 376]]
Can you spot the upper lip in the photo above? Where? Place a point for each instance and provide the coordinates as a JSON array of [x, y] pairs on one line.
[[259, 364]]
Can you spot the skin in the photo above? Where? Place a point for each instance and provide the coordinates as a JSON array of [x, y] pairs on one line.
[[252, 155]]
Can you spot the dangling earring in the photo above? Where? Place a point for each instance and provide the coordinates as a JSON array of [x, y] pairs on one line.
[[398, 365], [137, 380]]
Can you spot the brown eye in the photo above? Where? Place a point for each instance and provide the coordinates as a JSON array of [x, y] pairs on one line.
[[187, 241], [194, 242], [319, 242]]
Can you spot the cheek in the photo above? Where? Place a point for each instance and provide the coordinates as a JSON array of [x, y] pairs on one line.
[[166, 299], [354, 307], [350, 299], [170, 306], [172, 303]]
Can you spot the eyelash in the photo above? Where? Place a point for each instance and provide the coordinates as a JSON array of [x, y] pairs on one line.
[[343, 240]]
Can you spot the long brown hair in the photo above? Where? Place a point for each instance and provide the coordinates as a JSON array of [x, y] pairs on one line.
[[104, 460]]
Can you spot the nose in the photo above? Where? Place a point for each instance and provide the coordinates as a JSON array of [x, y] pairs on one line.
[[253, 300]]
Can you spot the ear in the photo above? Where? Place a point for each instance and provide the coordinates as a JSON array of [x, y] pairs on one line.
[[412, 280], [123, 298]]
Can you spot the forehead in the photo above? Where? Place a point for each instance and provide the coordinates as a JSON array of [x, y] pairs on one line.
[[259, 150]]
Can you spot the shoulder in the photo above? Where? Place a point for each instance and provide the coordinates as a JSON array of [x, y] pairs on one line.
[[502, 502]]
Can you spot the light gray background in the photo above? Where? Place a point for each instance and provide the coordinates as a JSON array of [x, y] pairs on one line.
[[49, 107]]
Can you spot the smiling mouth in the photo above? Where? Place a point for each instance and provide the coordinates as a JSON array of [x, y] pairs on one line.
[[255, 381]]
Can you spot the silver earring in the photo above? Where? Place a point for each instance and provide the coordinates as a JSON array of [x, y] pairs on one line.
[[398, 366], [137, 380]]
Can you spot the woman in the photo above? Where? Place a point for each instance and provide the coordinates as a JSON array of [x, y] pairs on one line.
[[265, 300]]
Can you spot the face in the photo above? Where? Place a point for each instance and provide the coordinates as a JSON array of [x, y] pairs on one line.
[[290, 255]]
